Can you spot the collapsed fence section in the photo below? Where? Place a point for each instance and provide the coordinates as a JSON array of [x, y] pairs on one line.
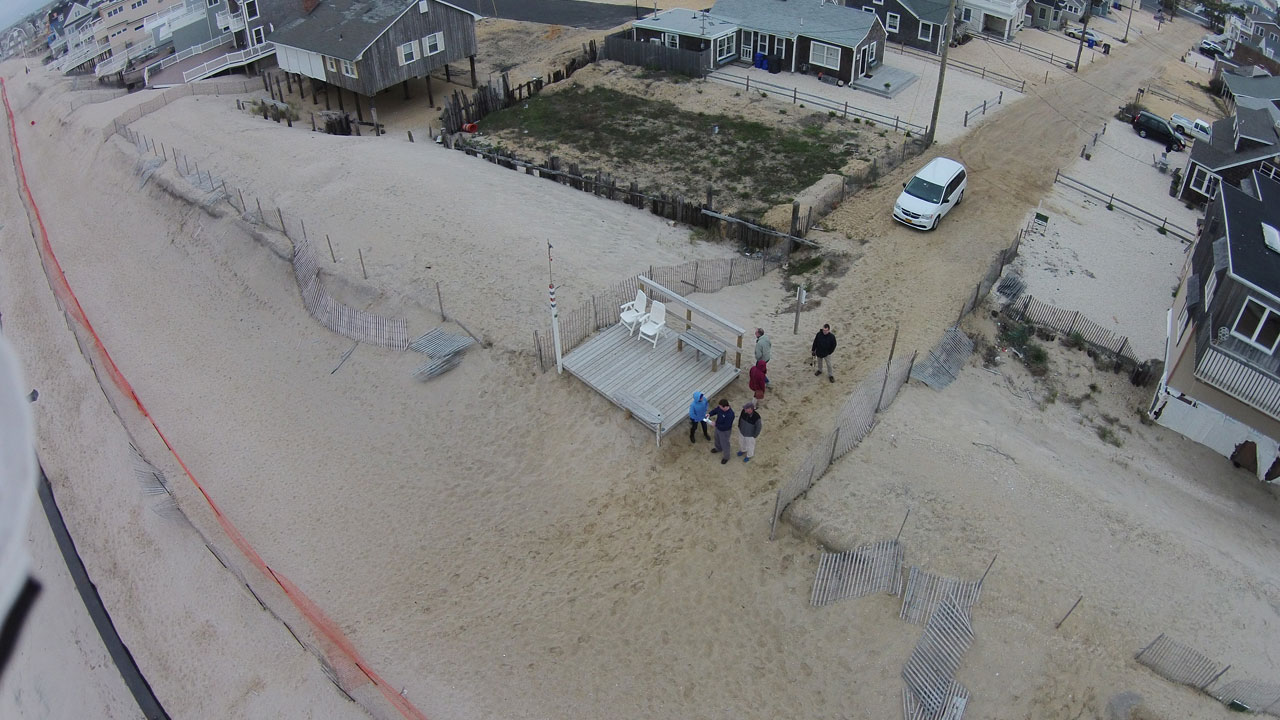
[[1071, 324]]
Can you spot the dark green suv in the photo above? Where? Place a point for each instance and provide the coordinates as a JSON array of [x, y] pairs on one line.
[[1150, 125]]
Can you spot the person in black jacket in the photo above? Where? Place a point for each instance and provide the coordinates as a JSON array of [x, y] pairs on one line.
[[724, 426], [749, 425], [824, 343]]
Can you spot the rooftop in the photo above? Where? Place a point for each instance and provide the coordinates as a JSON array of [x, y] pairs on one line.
[[1250, 259], [836, 24], [693, 23]]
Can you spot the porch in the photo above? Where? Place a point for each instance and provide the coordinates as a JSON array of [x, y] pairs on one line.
[[654, 384], [885, 80]]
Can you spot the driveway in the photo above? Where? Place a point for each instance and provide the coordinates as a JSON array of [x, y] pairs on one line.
[[593, 16]]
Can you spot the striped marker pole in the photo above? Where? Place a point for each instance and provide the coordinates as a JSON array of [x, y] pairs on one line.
[[555, 329]]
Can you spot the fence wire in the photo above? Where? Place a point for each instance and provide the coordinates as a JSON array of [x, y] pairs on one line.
[[1177, 662]]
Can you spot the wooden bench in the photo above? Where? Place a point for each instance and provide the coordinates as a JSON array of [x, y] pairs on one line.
[[703, 344], [643, 411]]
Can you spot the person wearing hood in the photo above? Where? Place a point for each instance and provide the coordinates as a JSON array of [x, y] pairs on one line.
[[724, 426], [756, 381], [749, 425], [698, 416]]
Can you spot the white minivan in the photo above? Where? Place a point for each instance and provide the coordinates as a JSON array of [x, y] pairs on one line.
[[938, 187]]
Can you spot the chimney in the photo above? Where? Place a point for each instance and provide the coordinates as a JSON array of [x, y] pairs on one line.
[[309, 5]]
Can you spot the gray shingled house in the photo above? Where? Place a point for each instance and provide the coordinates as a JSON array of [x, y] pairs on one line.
[[1237, 147], [802, 35], [1221, 383], [367, 46], [915, 23]]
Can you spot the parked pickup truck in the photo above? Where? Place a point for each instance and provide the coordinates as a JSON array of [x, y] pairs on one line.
[[1196, 129]]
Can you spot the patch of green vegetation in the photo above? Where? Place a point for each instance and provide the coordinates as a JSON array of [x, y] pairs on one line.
[[618, 130], [807, 265], [1019, 337], [1107, 435]]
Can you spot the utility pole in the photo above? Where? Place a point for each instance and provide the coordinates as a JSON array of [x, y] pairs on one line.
[[942, 71], [1084, 30], [1125, 39]]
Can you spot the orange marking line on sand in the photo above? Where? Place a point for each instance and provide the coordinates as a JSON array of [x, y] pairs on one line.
[[62, 289]]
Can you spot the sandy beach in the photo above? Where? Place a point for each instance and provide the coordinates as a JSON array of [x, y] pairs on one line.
[[502, 542]]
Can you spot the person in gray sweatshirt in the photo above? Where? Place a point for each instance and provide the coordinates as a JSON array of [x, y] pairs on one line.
[[764, 351]]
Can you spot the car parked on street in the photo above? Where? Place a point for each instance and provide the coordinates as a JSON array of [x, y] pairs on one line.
[[1089, 36], [1195, 129], [1150, 125], [1213, 45], [931, 193]]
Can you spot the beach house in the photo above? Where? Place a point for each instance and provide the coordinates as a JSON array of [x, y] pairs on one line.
[[1221, 380]]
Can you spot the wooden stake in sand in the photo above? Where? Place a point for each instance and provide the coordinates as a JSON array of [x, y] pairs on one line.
[[440, 300], [1064, 617], [331, 255], [362, 270]]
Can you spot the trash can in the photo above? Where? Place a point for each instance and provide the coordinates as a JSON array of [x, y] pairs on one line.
[[775, 64], [1106, 48], [758, 60], [1089, 42]]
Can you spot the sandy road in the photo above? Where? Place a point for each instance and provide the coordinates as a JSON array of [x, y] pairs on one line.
[[921, 279]]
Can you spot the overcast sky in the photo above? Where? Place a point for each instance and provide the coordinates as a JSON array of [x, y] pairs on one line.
[[11, 11]]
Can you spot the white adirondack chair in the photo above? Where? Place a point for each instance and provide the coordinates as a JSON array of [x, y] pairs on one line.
[[633, 313], [654, 322]]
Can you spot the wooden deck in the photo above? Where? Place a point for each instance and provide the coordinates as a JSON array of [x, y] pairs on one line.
[[636, 376]]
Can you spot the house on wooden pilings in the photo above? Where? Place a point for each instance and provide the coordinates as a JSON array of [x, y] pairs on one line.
[[367, 46]]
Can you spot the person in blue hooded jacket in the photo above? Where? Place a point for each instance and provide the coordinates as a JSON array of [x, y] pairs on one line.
[[698, 416]]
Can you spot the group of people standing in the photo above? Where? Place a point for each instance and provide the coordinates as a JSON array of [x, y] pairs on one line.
[[749, 420]]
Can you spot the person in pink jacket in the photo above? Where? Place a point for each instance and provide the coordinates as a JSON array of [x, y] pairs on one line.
[[756, 381]]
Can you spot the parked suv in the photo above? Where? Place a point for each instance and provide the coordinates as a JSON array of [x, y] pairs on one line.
[[1157, 128], [938, 187]]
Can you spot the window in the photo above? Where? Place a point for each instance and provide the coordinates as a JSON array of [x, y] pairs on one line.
[[671, 40], [250, 9], [140, 27], [1210, 287], [871, 55], [408, 52], [869, 9], [891, 22], [1269, 170], [725, 47], [331, 64], [433, 43], [1205, 182], [926, 31], [1042, 14], [259, 36], [349, 69], [424, 6], [762, 43], [966, 14], [1258, 325], [780, 46], [214, 3], [878, 2], [824, 55]]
